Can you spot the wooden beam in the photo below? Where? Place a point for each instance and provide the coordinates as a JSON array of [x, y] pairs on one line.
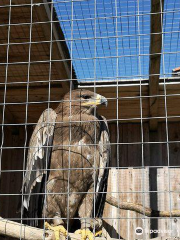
[[129, 107], [155, 59], [44, 14], [36, 85], [36, 92]]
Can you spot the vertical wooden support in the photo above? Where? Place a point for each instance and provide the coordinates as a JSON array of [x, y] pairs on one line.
[[155, 59], [156, 160]]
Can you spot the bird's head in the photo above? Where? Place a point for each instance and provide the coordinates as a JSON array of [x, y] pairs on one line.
[[84, 100]]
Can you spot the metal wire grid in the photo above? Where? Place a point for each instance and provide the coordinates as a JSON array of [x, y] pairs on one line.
[[171, 25], [106, 37], [104, 45], [127, 36]]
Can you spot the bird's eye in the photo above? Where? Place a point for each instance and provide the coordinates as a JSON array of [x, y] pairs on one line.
[[85, 96]]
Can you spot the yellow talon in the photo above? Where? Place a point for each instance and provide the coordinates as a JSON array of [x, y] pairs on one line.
[[57, 230], [99, 233], [85, 233]]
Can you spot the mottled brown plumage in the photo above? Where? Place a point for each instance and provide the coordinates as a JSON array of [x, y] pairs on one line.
[[80, 146]]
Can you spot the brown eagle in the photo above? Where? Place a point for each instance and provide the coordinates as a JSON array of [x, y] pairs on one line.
[[67, 164]]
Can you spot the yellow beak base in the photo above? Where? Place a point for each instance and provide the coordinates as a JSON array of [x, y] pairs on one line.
[[97, 101]]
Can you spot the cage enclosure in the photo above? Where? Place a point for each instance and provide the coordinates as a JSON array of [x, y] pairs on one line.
[[126, 51]]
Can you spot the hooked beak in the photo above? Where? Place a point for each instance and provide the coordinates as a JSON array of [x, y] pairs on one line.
[[98, 100], [104, 101]]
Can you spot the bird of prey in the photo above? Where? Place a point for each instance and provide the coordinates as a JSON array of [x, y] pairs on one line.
[[68, 160]]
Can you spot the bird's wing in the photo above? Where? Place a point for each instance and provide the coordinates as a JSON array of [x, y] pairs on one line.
[[38, 159], [104, 150]]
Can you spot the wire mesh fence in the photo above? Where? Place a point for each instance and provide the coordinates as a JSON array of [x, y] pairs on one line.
[[65, 59]]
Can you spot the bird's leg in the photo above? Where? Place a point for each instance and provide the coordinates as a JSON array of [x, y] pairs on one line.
[[57, 227], [97, 224], [86, 225], [85, 212]]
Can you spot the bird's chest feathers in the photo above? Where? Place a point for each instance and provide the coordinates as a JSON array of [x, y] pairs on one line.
[[88, 151], [77, 143], [78, 150]]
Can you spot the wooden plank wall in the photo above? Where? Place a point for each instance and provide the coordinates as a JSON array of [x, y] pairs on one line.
[[168, 181], [133, 186], [128, 155], [11, 178], [11, 175], [129, 151]]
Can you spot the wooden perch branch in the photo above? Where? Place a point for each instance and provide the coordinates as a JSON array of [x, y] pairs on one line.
[[17, 230], [140, 208]]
